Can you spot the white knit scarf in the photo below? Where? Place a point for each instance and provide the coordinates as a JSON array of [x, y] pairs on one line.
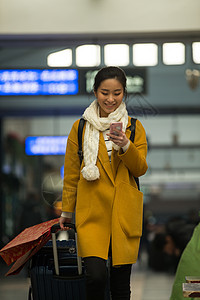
[[94, 125]]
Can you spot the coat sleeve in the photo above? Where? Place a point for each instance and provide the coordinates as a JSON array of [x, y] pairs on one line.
[[71, 171], [135, 156]]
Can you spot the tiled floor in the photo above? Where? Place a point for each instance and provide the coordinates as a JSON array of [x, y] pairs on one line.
[[14, 288], [146, 285]]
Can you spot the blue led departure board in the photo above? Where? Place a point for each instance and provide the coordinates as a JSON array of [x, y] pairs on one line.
[[39, 82], [45, 145]]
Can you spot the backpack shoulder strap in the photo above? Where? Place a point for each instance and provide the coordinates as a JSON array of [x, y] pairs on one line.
[[132, 137], [132, 128], [80, 134]]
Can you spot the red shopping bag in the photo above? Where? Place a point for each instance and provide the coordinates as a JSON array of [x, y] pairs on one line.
[[26, 244]]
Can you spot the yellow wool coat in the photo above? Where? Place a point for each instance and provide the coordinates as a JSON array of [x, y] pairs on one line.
[[109, 209]]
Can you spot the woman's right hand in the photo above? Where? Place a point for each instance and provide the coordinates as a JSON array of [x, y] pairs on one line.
[[63, 220]]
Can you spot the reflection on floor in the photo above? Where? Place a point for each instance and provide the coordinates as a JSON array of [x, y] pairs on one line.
[[146, 284]]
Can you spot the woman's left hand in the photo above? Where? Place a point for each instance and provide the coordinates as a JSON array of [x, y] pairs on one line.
[[120, 139]]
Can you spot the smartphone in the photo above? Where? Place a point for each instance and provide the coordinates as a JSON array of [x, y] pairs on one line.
[[114, 126]]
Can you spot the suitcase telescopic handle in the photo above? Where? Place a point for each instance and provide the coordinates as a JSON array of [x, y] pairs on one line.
[[54, 229]]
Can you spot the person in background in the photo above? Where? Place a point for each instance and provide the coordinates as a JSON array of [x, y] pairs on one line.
[[188, 264], [102, 190], [178, 234], [169, 244]]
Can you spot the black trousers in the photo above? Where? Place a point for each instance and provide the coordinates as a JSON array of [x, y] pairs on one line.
[[97, 279]]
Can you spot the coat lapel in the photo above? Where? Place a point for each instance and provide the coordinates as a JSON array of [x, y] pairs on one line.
[[104, 158], [115, 160], [110, 168]]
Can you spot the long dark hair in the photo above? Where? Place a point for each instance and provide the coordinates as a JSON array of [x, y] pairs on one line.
[[109, 73]]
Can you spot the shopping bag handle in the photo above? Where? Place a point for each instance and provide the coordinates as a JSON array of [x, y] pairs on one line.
[[56, 227]]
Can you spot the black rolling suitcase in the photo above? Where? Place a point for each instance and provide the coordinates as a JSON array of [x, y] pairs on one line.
[[57, 275]]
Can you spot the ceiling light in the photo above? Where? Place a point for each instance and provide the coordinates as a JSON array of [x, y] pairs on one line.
[[173, 53], [61, 58], [88, 56], [145, 54], [196, 52], [116, 55]]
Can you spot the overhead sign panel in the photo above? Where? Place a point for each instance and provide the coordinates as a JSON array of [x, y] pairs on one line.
[[136, 80], [35, 82], [45, 145], [39, 82]]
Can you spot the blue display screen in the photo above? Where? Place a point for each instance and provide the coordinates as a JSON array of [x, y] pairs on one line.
[[45, 145], [39, 82]]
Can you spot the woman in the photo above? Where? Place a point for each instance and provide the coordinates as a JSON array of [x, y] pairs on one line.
[[102, 191]]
